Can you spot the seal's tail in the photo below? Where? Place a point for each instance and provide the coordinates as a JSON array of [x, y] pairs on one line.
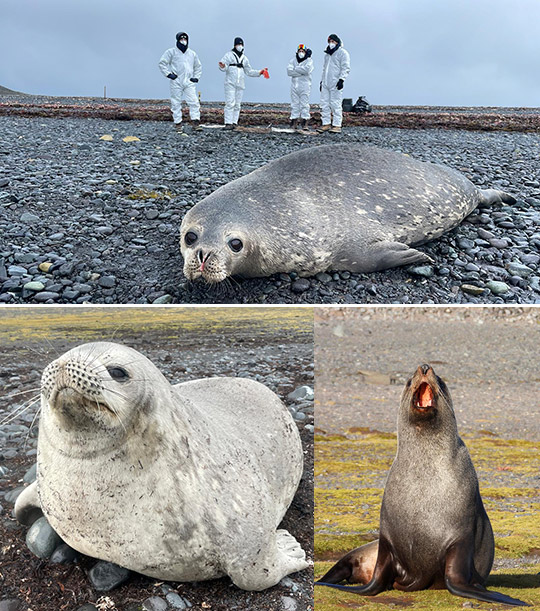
[[493, 196]]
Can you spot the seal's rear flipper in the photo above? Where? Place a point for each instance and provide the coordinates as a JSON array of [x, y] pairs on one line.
[[493, 196], [357, 566], [27, 507], [480, 593], [383, 574], [267, 567], [384, 255]]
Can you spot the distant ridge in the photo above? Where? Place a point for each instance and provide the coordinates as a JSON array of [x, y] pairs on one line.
[[6, 91]]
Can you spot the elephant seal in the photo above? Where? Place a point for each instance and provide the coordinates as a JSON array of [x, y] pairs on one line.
[[185, 483], [334, 207], [434, 530]]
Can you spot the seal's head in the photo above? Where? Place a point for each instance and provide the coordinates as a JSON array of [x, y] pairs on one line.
[[426, 401], [214, 254], [99, 389]]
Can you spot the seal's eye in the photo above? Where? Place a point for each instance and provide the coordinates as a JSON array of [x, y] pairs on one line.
[[118, 374], [190, 238], [236, 245]]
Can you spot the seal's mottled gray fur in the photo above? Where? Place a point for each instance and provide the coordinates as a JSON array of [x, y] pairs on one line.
[[185, 482], [333, 207]]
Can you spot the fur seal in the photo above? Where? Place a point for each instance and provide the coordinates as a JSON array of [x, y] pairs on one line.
[[333, 207], [185, 483], [434, 530]]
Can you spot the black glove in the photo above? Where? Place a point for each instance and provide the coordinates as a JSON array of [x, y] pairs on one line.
[[320, 86], [194, 80], [172, 76], [339, 85]]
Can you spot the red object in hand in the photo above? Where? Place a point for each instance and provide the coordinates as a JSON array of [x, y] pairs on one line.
[[265, 73]]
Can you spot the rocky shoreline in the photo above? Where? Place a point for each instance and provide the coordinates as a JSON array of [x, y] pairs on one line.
[[87, 219]]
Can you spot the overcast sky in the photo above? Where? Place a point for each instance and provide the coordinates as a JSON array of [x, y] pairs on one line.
[[420, 52]]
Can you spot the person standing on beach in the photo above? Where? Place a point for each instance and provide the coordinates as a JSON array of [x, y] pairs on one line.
[[183, 67], [235, 64], [299, 69], [336, 68]]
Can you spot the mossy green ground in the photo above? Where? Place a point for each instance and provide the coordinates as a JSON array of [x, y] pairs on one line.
[[350, 472], [95, 323]]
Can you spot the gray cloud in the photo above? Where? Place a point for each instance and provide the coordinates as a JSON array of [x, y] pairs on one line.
[[443, 52]]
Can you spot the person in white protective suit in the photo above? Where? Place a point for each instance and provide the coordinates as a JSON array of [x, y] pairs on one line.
[[299, 69], [183, 67], [235, 64], [336, 68]]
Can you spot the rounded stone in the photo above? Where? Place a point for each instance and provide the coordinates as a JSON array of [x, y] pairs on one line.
[[41, 539], [497, 288], [105, 576], [303, 393], [64, 554], [155, 603]]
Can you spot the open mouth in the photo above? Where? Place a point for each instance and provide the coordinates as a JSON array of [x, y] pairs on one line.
[[423, 397]]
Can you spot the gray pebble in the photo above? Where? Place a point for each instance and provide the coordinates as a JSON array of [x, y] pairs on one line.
[[64, 554], [302, 393], [155, 603], [177, 602], [30, 475], [105, 576], [11, 604], [41, 539], [288, 603]]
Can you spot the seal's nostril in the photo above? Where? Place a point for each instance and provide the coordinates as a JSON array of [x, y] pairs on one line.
[[425, 368], [200, 255]]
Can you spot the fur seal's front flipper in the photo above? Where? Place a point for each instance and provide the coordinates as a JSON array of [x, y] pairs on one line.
[[27, 508], [356, 567], [460, 566], [382, 255]]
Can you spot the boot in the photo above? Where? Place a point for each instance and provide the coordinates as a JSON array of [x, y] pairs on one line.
[[323, 128], [303, 125], [179, 127], [229, 126], [293, 123], [335, 129], [197, 125]]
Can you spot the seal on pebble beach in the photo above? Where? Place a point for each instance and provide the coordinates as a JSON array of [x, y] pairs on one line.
[[333, 207], [185, 483], [434, 530]]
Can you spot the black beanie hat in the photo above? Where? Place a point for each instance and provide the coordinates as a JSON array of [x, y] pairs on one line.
[[335, 37], [238, 41]]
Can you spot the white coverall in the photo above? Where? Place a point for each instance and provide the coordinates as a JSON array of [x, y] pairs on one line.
[[336, 66], [300, 86], [185, 66], [234, 84]]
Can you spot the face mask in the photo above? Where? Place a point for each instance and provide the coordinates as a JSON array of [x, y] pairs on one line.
[[332, 45], [301, 55], [183, 41], [239, 48]]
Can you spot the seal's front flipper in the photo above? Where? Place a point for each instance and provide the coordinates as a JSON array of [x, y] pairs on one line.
[[27, 506], [462, 580], [281, 557], [488, 197], [357, 566], [480, 593], [384, 255]]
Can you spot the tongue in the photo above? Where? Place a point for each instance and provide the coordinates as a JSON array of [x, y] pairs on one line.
[[426, 396]]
